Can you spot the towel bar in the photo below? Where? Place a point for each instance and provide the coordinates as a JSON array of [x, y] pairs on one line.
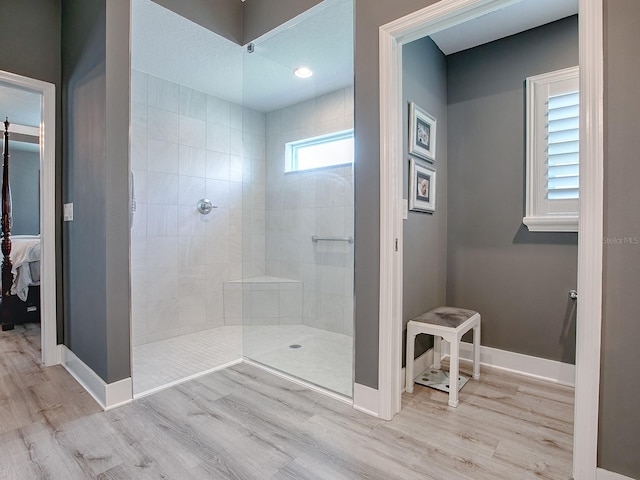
[[316, 239]]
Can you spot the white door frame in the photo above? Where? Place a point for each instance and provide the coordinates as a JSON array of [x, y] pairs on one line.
[[429, 20], [50, 349]]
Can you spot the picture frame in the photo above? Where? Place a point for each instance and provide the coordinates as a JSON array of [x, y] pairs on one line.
[[422, 133], [422, 188]]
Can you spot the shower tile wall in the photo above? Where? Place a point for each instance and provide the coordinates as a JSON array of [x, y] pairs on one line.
[[320, 202], [187, 145]]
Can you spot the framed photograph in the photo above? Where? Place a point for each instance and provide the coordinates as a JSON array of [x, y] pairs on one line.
[[422, 133], [422, 188]]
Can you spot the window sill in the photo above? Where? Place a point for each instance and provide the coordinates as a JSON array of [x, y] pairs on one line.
[[560, 223]]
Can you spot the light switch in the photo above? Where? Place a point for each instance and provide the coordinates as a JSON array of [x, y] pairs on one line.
[[405, 209], [68, 212]]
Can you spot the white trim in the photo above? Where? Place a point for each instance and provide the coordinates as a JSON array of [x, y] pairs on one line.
[[420, 364], [556, 223], [298, 381], [536, 367], [390, 337], [589, 308], [602, 474], [589, 312], [50, 350], [108, 395], [366, 400]]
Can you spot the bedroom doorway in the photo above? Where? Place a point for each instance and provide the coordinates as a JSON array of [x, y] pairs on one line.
[[29, 105]]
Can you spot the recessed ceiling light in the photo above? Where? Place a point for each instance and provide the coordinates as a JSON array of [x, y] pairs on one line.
[[303, 72]]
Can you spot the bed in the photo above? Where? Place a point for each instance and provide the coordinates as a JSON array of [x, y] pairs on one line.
[[21, 255]]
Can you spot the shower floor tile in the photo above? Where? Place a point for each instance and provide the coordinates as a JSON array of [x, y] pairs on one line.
[[324, 358], [160, 364]]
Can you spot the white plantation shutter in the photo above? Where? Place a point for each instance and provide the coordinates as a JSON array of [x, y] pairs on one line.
[[553, 151], [563, 146]]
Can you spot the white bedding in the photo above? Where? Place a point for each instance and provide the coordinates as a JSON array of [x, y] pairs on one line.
[[25, 260]]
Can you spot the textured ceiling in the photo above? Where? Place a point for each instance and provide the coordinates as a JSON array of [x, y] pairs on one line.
[[321, 39], [171, 47], [507, 21]]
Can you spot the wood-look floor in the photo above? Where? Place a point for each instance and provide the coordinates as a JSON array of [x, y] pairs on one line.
[[243, 423]]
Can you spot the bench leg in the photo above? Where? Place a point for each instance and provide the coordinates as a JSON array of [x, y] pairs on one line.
[[476, 352], [437, 351], [411, 340], [454, 369]]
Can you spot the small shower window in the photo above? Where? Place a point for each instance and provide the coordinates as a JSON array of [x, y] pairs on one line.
[[319, 152]]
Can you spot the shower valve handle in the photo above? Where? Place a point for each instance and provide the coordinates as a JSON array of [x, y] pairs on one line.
[[205, 206]]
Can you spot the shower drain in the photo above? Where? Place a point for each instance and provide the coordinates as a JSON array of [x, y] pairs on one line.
[[295, 345]]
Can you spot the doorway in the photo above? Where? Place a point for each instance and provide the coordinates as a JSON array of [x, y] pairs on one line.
[[42, 97], [425, 22]]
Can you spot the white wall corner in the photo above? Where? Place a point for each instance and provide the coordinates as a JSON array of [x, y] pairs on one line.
[[536, 367], [602, 474], [420, 364], [366, 399], [108, 395]]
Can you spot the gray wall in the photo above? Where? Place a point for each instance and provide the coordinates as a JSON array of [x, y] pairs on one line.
[[32, 48], [262, 16], [95, 46], [424, 81], [31, 42], [24, 177], [237, 21], [369, 16], [518, 280], [221, 16], [619, 441]]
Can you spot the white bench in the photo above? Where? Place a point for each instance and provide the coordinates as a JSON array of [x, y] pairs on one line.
[[449, 323]]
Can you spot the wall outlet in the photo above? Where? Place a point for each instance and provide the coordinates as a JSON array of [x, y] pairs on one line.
[[68, 212]]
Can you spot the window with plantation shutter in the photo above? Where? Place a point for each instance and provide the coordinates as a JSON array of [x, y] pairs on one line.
[[553, 151]]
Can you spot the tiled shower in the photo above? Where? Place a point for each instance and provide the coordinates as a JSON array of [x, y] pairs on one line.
[[186, 146], [246, 281]]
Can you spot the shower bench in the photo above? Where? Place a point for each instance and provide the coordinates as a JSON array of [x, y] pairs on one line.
[[263, 300]]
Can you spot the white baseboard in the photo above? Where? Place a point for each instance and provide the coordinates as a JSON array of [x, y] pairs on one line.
[[108, 395], [420, 364], [549, 370], [602, 474], [366, 399]]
